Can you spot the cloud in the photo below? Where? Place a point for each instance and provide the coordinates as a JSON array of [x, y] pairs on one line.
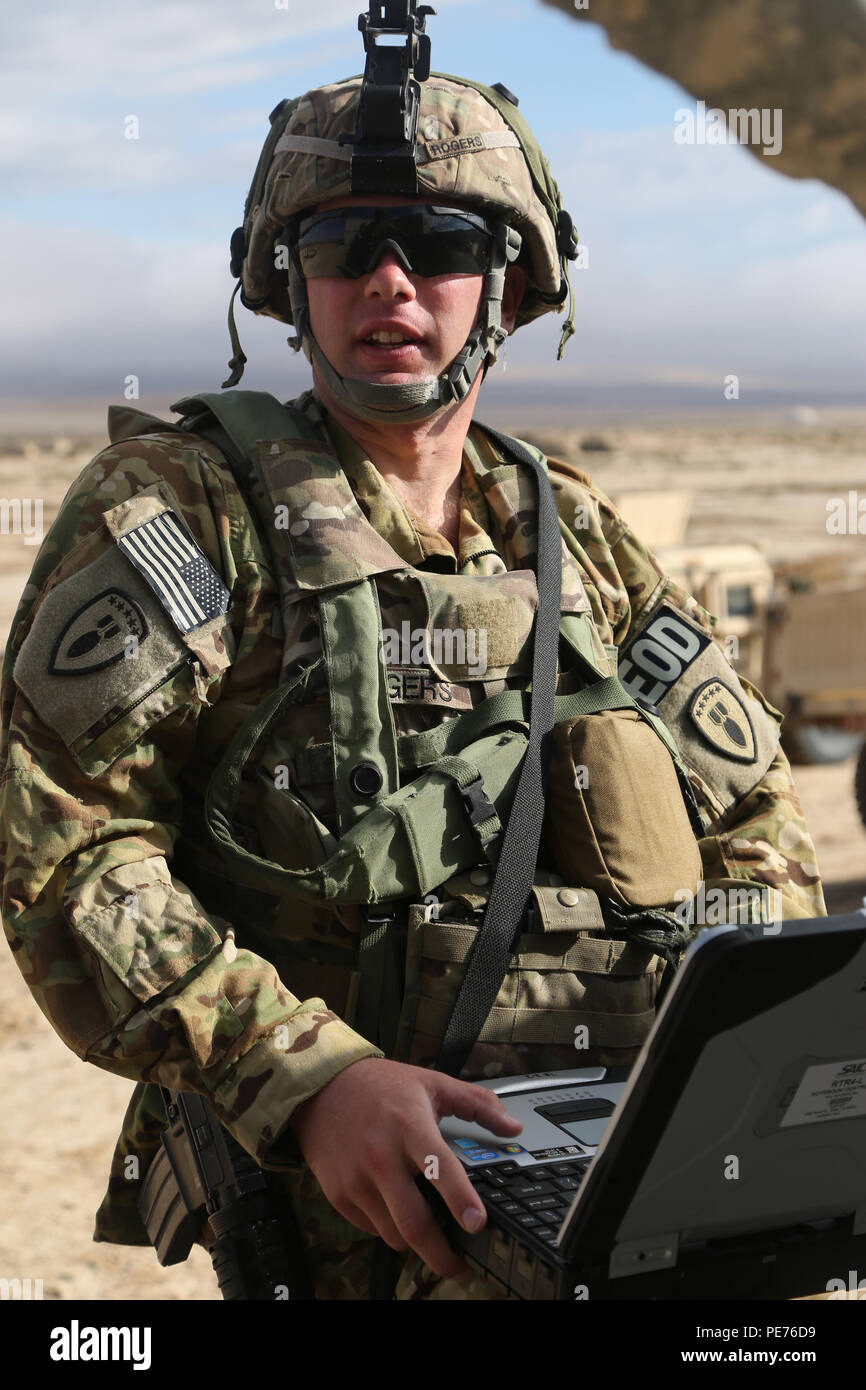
[[158, 40], [642, 170], [703, 260], [69, 84], [87, 308]]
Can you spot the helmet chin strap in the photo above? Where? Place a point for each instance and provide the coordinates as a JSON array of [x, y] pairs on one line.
[[416, 400]]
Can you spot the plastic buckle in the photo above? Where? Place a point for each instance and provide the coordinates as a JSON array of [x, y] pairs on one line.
[[479, 807]]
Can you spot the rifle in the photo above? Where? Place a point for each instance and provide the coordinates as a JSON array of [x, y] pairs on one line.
[[203, 1186]]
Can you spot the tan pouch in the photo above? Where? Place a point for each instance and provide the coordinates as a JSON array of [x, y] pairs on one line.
[[616, 820], [572, 996]]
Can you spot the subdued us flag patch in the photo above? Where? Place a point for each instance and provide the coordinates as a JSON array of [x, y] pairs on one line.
[[183, 580]]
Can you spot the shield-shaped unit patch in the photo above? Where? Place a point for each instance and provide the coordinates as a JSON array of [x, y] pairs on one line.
[[723, 721], [106, 629]]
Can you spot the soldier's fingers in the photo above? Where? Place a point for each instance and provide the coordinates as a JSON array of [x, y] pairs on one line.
[[445, 1171], [474, 1103], [353, 1214], [414, 1220], [377, 1212]]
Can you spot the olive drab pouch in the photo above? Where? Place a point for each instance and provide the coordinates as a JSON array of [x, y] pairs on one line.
[[616, 819]]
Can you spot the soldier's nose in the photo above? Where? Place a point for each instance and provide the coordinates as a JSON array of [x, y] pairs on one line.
[[389, 277]]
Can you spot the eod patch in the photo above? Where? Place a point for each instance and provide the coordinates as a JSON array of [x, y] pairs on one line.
[[659, 655], [724, 733]]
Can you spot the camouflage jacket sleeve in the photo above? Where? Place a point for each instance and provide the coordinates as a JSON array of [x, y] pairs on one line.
[[119, 954], [755, 834]]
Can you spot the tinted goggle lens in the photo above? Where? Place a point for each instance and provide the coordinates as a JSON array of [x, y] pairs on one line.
[[433, 240]]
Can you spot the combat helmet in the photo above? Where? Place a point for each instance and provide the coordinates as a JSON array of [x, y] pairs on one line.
[[402, 129]]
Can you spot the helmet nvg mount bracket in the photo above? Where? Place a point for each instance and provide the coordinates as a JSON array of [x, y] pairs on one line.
[[359, 138], [383, 146]]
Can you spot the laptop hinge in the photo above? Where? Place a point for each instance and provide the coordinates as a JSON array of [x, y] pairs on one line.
[[643, 1256]]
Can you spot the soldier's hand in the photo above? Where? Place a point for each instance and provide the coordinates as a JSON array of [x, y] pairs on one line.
[[370, 1131]]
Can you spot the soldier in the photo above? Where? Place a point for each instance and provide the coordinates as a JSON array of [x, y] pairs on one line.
[[248, 835]]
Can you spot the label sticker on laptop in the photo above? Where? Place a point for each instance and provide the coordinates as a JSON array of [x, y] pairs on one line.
[[831, 1091], [565, 1151]]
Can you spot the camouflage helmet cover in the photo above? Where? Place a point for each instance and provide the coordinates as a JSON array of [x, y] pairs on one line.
[[467, 152]]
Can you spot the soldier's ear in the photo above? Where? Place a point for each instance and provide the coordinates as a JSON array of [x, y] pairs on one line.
[[515, 285]]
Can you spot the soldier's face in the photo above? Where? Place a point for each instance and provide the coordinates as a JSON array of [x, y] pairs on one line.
[[435, 314]]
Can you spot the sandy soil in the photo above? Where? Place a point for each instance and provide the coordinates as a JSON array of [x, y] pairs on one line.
[[60, 1117]]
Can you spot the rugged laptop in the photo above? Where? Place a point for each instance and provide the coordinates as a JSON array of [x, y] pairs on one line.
[[730, 1163]]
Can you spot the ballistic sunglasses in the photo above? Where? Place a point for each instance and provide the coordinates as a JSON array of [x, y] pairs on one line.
[[428, 240]]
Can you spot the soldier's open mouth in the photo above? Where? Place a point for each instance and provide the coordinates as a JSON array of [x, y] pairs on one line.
[[387, 339], [399, 350]]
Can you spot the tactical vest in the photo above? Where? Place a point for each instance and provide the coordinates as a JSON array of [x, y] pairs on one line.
[[358, 858]]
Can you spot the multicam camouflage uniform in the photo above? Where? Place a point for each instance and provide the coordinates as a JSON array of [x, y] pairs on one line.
[[154, 949], [115, 913]]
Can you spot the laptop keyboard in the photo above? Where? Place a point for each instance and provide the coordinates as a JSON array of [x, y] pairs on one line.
[[532, 1200]]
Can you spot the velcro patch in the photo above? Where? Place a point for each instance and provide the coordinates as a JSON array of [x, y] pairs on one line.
[[724, 734], [658, 656], [102, 631], [494, 633], [722, 719], [178, 572], [98, 642]]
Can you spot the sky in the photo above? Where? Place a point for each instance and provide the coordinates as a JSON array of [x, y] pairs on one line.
[[703, 262]]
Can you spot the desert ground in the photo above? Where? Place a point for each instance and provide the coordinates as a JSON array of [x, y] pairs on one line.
[[60, 1117]]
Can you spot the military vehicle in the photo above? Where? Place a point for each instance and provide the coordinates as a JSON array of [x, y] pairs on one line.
[[796, 629]]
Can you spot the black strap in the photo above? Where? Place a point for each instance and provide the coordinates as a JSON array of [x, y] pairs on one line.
[[518, 853]]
